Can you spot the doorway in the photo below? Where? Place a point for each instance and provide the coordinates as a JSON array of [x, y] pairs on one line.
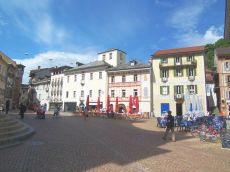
[[179, 110]]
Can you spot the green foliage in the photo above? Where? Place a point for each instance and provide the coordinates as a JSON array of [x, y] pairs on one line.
[[209, 51]]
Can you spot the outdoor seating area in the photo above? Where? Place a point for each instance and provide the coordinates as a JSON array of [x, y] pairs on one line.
[[207, 128]]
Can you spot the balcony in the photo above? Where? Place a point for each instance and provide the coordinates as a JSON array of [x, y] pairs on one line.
[[164, 79], [179, 97], [184, 63], [82, 82], [191, 78]]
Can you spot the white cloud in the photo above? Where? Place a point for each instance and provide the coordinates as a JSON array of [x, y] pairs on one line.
[[186, 20], [195, 38], [52, 59], [35, 20]]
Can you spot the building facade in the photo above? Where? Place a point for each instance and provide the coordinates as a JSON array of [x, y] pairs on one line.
[[56, 86], [9, 72], [176, 73], [86, 80], [131, 79], [3, 73], [222, 62], [40, 81], [90, 80]]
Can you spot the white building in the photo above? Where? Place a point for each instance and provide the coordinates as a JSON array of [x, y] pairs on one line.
[[40, 80], [90, 79], [131, 79], [56, 86]]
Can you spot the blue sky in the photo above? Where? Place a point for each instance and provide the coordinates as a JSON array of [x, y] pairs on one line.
[[61, 32]]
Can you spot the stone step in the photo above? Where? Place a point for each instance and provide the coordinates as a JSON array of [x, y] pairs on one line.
[[10, 127], [8, 123], [13, 132], [16, 139]]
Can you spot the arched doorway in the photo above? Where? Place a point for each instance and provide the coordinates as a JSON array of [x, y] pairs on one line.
[[122, 108]]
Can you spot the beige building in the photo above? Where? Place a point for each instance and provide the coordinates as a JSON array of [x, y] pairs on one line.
[[222, 62], [8, 74], [176, 73], [3, 72]]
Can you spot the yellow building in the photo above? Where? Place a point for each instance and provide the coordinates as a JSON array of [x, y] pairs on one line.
[[8, 71], [176, 73], [3, 73]]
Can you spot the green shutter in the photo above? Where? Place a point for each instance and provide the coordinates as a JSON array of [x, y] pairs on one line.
[[168, 90], [174, 89], [161, 73], [194, 71], [174, 60], [167, 73], [187, 71], [174, 72], [196, 91], [182, 72], [188, 88], [181, 60], [182, 88], [161, 89], [161, 60]]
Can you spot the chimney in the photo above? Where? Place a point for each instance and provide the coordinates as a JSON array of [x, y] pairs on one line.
[[39, 67]]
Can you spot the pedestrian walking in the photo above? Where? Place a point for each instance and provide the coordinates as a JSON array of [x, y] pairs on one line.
[[22, 109], [169, 126], [7, 106]]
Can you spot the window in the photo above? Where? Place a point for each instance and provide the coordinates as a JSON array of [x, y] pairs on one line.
[[112, 79], [82, 93], [164, 60], [177, 60], [67, 94], [190, 58], [110, 56], [82, 76], [103, 57], [67, 80], [121, 57], [99, 93], [178, 89], [91, 76], [226, 66], [191, 89], [164, 90], [123, 78], [227, 95], [123, 93], [112, 93], [75, 78], [90, 93], [190, 72], [135, 92], [74, 94], [100, 75], [164, 73], [178, 72], [135, 77], [228, 79]]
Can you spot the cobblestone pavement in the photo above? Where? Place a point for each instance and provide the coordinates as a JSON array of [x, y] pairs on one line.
[[72, 144]]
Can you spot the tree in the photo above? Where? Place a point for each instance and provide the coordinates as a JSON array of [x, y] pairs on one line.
[[209, 51]]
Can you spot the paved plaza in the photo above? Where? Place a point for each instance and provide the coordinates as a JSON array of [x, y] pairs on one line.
[[72, 144]]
